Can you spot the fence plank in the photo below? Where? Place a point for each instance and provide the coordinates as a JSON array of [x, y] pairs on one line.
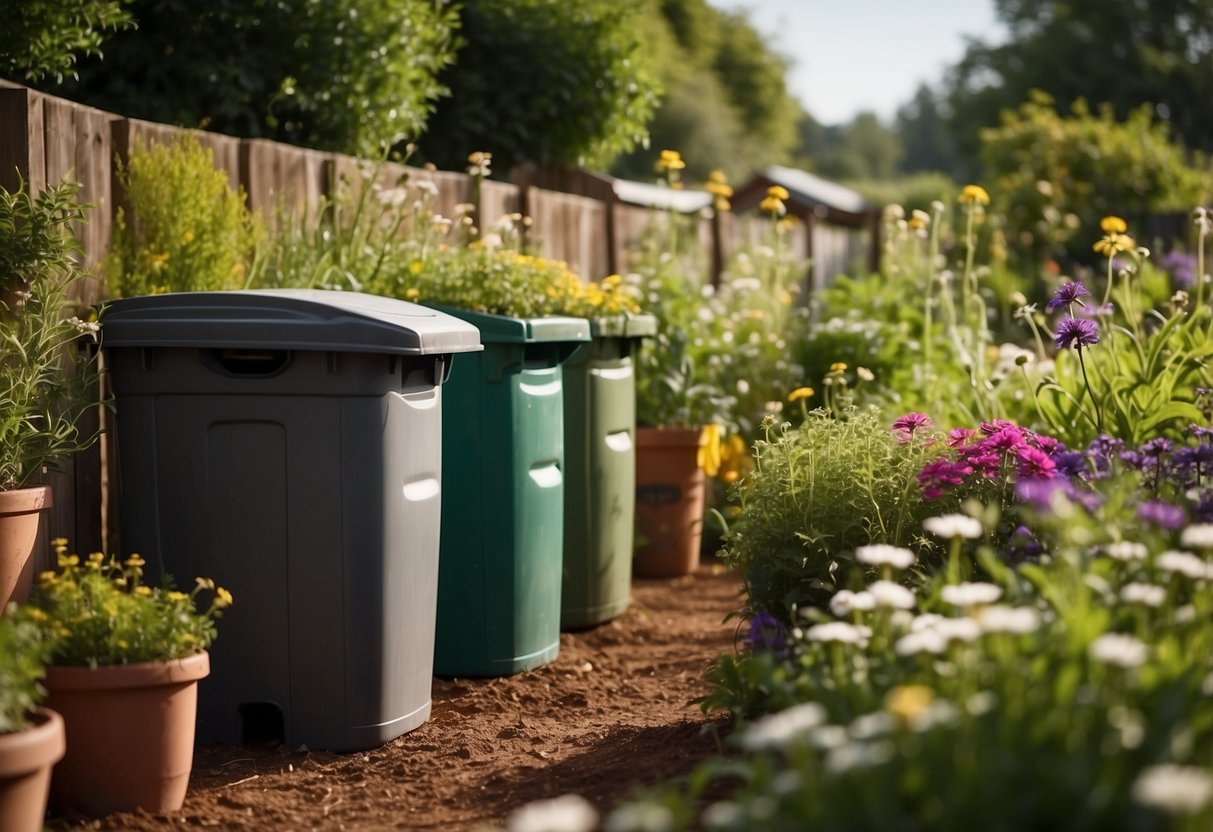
[[21, 154], [568, 227], [283, 181]]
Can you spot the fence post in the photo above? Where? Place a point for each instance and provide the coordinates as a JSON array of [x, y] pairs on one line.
[[21, 152]]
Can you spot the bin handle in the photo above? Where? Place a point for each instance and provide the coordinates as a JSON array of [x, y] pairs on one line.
[[249, 362]]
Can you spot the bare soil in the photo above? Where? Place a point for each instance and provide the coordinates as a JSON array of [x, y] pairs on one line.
[[611, 715]]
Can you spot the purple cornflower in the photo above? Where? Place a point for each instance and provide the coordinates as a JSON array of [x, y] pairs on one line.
[[1068, 293], [905, 426], [768, 634], [1071, 463], [1007, 439], [1076, 332], [1157, 447], [937, 474], [1162, 514], [1181, 266]]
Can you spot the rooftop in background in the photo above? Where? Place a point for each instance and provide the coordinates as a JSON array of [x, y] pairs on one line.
[[659, 196]]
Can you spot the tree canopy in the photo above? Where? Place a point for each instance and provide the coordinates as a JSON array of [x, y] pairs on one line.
[[45, 38], [349, 75], [543, 80]]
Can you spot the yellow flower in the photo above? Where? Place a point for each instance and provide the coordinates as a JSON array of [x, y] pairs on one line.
[[68, 560], [773, 205], [416, 266], [59, 543], [48, 578], [670, 160], [412, 293], [800, 393], [1113, 225], [36, 614], [223, 598], [906, 702], [612, 280], [735, 459], [122, 644], [709, 449], [973, 195], [1114, 244], [176, 596], [838, 367], [143, 591], [779, 192]]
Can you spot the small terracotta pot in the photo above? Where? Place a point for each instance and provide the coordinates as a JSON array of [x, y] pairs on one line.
[[26, 758], [130, 734], [20, 514], [670, 498]]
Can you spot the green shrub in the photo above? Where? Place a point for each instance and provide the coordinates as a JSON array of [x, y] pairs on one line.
[[1055, 177], [24, 649], [818, 491], [186, 228]]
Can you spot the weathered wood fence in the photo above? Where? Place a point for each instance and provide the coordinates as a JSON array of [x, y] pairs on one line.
[[576, 217]]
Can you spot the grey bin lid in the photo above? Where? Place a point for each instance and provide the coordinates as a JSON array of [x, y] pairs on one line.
[[285, 319]]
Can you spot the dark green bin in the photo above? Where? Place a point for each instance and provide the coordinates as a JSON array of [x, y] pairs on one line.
[[501, 547], [600, 467]]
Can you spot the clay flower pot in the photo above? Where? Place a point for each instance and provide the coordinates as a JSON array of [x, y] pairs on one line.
[[130, 734], [670, 498], [20, 514], [26, 758]]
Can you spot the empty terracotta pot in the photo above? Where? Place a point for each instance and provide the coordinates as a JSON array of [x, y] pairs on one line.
[[26, 758], [20, 514], [670, 498]]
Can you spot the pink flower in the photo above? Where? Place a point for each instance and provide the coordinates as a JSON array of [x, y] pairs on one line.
[[1035, 464], [905, 426], [957, 437]]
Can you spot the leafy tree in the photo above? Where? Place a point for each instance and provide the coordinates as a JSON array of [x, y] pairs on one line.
[[544, 80], [727, 105], [347, 75], [1055, 177], [863, 149], [1123, 52], [922, 127], [43, 38]]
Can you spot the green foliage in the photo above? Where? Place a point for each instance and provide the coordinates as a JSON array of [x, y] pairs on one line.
[[43, 38], [1055, 695], [100, 613], [1056, 176], [46, 380], [1123, 52], [588, 99], [818, 491], [923, 129], [169, 244], [24, 650], [915, 191], [347, 75]]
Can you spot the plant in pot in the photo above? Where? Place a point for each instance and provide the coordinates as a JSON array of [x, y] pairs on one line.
[[46, 381], [31, 737], [123, 672]]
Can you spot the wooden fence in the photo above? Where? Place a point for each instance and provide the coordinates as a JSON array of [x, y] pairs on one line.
[[576, 217]]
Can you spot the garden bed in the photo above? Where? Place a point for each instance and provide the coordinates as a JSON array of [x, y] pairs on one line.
[[610, 715]]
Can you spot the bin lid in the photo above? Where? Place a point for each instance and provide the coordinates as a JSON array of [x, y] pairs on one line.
[[291, 319], [503, 329], [624, 326]]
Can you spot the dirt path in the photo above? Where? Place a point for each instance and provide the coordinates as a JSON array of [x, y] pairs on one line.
[[608, 716]]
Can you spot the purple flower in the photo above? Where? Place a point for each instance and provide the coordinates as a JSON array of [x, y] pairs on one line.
[[937, 474], [1024, 545], [1162, 514], [1039, 493], [1070, 463], [1035, 464], [957, 437], [1007, 439], [905, 426], [1048, 444], [1133, 459], [1076, 332], [1157, 447], [767, 633], [1182, 268], [1068, 293], [989, 428]]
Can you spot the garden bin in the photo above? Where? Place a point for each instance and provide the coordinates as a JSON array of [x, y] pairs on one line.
[[600, 471], [503, 523], [286, 444]]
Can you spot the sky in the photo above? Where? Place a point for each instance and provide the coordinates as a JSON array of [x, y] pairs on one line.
[[852, 56]]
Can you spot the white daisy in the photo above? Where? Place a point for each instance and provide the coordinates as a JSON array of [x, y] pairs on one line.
[[1119, 650], [882, 554], [971, 594], [953, 525]]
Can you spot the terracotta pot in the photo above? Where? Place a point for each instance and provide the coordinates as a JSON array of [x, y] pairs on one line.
[[20, 514], [26, 758], [130, 734], [670, 498]]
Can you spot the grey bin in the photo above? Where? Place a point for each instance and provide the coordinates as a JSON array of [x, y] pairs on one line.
[[287, 444]]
